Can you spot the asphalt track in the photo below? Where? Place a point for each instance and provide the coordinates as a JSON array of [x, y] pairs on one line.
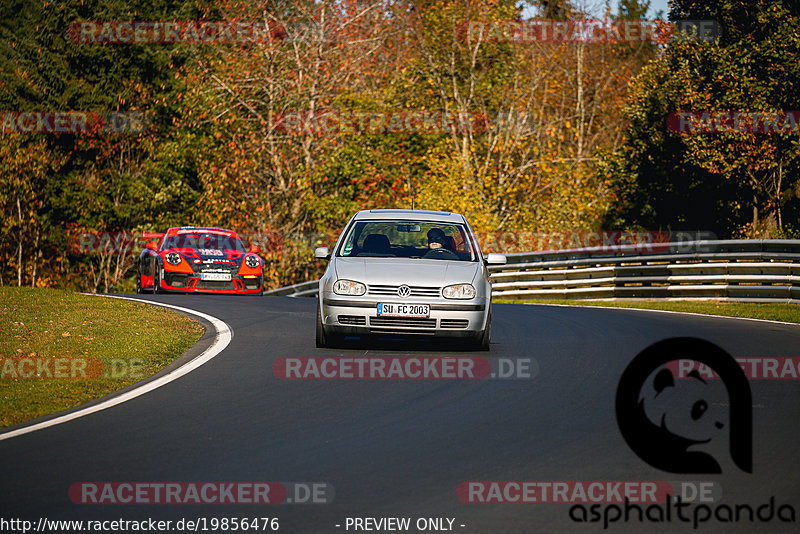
[[400, 448]]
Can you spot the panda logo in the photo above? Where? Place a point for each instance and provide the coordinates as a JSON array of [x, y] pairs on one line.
[[687, 412], [680, 425]]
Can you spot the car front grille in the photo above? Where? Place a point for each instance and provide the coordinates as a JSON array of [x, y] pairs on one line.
[[215, 284], [352, 320], [176, 280], [416, 291], [407, 322], [454, 323]]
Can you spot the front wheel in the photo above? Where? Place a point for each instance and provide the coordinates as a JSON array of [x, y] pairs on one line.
[[261, 285], [482, 342], [322, 340], [156, 279]]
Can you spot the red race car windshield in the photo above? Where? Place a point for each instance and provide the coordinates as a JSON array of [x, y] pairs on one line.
[[204, 243]]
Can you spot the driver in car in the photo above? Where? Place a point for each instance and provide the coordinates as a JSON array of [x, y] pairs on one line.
[[435, 238], [438, 246]]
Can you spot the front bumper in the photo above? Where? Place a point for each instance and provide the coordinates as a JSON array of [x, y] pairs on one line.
[[448, 318], [191, 283]]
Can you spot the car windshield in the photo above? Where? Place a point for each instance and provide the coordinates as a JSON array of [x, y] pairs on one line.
[[407, 239], [205, 243]]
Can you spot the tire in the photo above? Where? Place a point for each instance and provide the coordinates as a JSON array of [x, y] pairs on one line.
[[156, 279], [139, 289], [322, 339], [482, 342]]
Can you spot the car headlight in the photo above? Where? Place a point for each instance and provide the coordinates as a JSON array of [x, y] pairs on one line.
[[173, 258], [252, 261], [459, 291], [349, 287]]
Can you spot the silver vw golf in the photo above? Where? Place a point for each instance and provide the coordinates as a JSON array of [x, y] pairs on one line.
[[406, 272]]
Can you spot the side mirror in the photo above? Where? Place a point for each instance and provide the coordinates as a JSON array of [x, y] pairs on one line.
[[152, 245], [322, 253], [254, 249], [496, 259]]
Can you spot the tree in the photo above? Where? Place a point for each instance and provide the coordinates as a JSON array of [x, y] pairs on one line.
[[633, 9], [554, 107], [555, 9], [731, 183]]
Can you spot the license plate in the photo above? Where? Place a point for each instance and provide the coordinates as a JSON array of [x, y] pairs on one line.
[[404, 310], [216, 277]]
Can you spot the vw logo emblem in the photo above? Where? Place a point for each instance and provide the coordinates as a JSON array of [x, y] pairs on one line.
[[403, 291]]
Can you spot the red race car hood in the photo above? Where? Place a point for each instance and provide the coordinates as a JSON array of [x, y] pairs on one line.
[[224, 257]]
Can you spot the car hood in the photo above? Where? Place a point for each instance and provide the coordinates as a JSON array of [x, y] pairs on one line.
[[211, 257], [397, 271]]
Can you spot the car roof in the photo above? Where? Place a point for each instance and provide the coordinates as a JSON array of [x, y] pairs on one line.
[[410, 215], [209, 229]]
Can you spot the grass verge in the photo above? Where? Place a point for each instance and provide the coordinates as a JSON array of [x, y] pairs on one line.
[[789, 313], [59, 349]]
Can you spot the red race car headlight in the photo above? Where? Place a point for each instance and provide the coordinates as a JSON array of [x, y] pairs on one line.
[[252, 261], [175, 263], [250, 266]]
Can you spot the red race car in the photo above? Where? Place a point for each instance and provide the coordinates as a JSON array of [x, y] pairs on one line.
[[199, 260]]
